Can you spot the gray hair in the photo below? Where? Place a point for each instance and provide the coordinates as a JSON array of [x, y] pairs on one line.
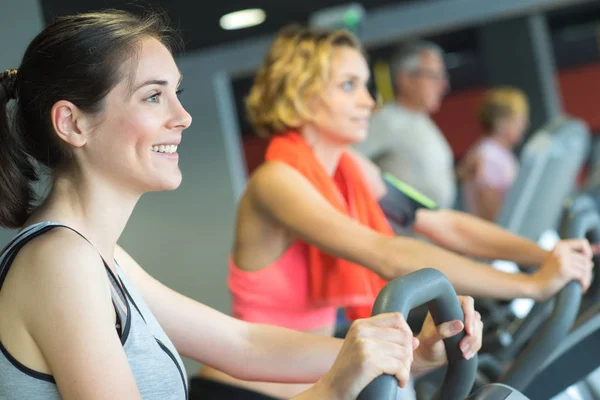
[[408, 56]]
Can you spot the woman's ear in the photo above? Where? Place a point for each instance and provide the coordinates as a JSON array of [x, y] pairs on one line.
[[68, 123]]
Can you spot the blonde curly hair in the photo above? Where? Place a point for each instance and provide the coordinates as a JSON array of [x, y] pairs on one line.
[[296, 67]]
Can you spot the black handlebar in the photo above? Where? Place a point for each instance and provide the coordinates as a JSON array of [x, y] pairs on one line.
[[403, 294]]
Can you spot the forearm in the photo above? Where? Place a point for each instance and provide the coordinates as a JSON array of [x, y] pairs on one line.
[[320, 391], [406, 255], [478, 238], [283, 355], [489, 203]]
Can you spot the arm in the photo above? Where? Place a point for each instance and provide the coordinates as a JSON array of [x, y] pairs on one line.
[[489, 202], [458, 231], [230, 345], [476, 237], [68, 312], [320, 391], [361, 359], [282, 194], [276, 354]]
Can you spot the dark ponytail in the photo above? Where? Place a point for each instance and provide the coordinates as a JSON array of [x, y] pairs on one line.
[[16, 171], [80, 59]]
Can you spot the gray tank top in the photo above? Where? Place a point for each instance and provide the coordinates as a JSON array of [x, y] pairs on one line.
[[156, 365]]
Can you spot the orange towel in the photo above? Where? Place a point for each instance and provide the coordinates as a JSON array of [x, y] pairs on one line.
[[334, 281]]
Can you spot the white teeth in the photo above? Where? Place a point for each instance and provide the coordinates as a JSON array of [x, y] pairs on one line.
[[169, 149]]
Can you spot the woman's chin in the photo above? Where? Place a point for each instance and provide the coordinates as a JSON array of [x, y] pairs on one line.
[[167, 184], [358, 136]]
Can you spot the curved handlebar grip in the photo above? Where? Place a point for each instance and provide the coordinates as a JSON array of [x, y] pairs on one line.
[[583, 224], [582, 220], [402, 295], [557, 326]]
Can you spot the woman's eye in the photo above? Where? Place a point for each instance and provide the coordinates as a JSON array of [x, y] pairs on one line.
[[153, 98], [348, 86]]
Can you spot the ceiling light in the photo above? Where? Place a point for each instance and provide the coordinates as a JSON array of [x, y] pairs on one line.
[[242, 19]]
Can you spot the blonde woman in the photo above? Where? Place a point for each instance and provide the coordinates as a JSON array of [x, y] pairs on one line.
[[311, 236], [79, 317], [503, 116]]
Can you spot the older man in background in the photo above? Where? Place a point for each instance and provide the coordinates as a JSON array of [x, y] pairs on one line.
[[403, 140]]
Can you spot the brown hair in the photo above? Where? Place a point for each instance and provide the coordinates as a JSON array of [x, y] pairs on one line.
[[78, 58]]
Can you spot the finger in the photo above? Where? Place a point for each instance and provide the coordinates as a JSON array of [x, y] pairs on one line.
[[395, 359], [585, 277], [471, 344], [448, 329], [578, 265], [388, 365], [585, 285], [467, 347], [479, 335], [476, 343], [579, 275], [403, 375], [392, 335], [581, 259], [595, 248], [474, 339], [582, 274], [586, 249], [388, 320], [475, 323], [416, 343], [401, 371], [582, 246], [394, 350], [468, 306], [587, 281]]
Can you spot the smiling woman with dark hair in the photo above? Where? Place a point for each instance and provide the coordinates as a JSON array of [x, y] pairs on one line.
[[95, 101]]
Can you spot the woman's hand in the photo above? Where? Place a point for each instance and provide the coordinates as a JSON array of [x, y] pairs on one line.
[[569, 260], [432, 353], [379, 345]]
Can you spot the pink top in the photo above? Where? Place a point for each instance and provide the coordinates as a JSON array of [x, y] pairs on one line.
[[498, 170], [278, 294]]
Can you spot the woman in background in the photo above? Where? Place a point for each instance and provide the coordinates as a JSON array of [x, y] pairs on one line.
[[96, 101], [504, 117], [311, 234]]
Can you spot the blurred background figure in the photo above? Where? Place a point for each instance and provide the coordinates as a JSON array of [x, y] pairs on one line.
[[490, 167], [402, 139]]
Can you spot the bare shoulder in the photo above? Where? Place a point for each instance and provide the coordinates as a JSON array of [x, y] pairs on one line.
[[274, 181], [55, 269], [59, 252], [62, 291], [272, 171]]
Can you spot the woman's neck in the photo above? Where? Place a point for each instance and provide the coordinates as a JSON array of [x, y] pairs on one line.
[[502, 140], [327, 151], [92, 207]]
